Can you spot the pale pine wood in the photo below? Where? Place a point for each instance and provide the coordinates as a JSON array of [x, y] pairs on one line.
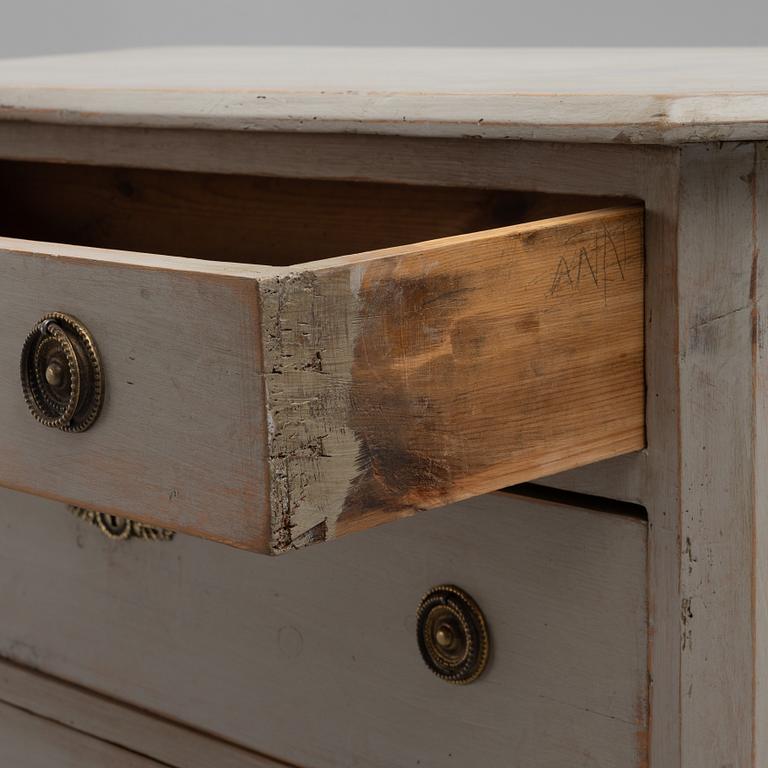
[[27, 741], [123, 726], [518, 309], [439, 371], [586, 95], [313, 658]]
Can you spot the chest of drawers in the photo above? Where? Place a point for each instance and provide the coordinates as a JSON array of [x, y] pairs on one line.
[[281, 299]]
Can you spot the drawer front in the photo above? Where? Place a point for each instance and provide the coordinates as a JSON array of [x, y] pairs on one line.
[[314, 658], [273, 407], [27, 741]]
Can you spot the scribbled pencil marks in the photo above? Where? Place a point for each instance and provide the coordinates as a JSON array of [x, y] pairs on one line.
[[600, 258]]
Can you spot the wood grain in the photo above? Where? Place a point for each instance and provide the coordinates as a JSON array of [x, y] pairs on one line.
[[439, 371], [313, 658], [609, 95]]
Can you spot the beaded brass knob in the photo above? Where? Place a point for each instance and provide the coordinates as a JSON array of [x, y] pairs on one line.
[[452, 635], [61, 373]]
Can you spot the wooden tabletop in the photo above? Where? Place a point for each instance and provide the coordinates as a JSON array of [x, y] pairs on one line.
[[631, 95]]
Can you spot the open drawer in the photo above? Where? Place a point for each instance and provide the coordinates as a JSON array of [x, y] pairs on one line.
[[263, 389]]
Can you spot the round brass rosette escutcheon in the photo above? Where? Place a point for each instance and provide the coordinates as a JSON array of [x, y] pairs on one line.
[[61, 374], [452, 635]]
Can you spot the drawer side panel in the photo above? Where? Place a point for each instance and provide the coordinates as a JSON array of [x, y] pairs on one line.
[[410, 378]]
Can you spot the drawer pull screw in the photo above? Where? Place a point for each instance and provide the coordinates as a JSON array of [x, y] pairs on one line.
[[61, 375], [54, 374], [452, 635]]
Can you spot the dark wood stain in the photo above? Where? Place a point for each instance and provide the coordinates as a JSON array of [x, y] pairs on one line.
[[403, 435]]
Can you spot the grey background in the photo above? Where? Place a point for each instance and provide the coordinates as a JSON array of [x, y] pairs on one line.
[[53, 26]]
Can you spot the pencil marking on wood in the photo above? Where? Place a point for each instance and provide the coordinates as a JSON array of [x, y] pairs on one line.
[[601, 259]]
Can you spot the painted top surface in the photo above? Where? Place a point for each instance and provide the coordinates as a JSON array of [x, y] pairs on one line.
[[640, 95]]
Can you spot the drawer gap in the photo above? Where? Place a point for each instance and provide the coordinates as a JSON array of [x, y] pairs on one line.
[[542, 493], [251, 219]]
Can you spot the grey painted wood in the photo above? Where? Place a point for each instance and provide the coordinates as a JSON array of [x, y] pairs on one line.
[[110, 721], [183, 421], [27, 741], [760, 540], [722, 249], [622, 478], [471, 162], [702, 475], [313, 658], [587, 95]]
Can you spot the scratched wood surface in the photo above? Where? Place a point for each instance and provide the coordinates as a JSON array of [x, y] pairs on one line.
[[313, 658], [578, 95]]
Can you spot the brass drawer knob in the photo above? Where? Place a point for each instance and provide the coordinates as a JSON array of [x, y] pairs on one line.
[[452, 634], [61, 373]]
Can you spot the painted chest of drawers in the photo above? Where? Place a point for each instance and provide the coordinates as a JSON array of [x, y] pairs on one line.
[[282, 299]]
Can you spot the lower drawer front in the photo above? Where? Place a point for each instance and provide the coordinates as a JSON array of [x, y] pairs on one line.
[[314, 659], [28, 741]]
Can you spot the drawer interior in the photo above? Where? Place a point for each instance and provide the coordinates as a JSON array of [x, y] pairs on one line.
[[250, 219]]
